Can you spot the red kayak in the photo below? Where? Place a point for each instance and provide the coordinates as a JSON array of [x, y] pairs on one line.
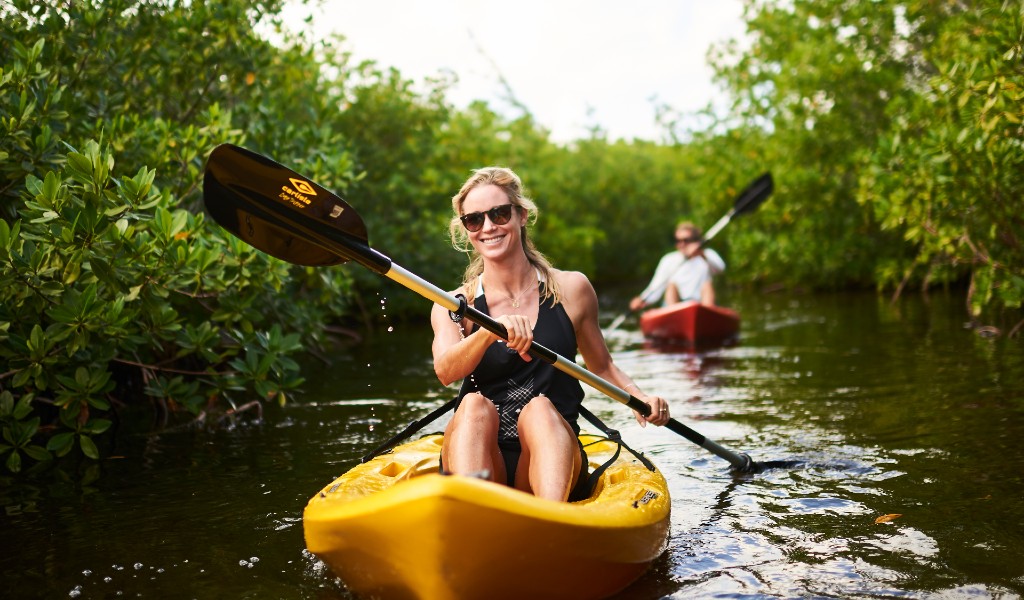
[[690, 322]]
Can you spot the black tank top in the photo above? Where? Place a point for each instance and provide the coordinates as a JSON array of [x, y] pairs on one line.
[[508, 381]]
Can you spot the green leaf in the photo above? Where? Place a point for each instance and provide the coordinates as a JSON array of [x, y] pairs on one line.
[[61, 443], [37, 453], [50, 187], [98, 402], [89, 447], [80, 167], [14, 462], [21, 377], [6, 404], [24, 406], [97, 426], [24, 430]]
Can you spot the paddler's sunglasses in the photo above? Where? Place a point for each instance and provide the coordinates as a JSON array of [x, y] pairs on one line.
[[688, 240], [499, 215]]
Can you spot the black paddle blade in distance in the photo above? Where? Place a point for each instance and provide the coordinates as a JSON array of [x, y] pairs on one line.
[[754, 195], [245, 192]]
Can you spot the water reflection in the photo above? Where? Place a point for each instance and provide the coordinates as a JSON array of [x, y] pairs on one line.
[[888, 409]]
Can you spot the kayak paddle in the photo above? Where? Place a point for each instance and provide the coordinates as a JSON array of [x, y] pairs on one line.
[[284, 214], [748, 201]]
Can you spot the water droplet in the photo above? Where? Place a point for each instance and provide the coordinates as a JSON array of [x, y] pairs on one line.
[[254, 559], [390, 329], [108, 579], [75, 592], [371, 427], [243, 562], [137, 566], [87, 572]]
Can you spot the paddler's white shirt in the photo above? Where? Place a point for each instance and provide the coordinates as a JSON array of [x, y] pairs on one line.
[[688, 277]]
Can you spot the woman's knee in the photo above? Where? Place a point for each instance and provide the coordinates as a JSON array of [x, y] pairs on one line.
[[475, 407], [539, 412]]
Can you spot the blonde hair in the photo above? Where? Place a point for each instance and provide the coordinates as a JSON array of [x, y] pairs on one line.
[[509, 183]]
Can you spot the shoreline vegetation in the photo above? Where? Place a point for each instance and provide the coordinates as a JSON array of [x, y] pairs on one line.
[[893, 131]]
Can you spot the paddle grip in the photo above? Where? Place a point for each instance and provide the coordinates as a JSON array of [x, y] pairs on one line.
[[484, 320]]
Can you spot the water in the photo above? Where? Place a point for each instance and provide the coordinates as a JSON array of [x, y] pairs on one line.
[[888, 410]]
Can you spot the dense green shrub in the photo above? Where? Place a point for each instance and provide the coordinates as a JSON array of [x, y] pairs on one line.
[[895, 129], [115, 287], [107, 285], [949, 177]]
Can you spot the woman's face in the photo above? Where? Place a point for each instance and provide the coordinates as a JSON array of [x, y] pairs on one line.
[[493, 239]]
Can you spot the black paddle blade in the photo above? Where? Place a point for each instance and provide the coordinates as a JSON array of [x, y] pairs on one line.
[[248, 194], [754, 195]]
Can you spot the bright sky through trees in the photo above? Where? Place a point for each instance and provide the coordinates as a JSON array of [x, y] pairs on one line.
[[573, 63]]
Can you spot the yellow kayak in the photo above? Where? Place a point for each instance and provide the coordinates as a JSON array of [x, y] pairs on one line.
[[395, 528]]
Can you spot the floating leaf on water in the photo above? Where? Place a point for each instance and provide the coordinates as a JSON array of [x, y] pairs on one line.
[[887, 518]]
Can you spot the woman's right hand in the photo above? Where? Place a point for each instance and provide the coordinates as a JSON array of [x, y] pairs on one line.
[[520, 334]]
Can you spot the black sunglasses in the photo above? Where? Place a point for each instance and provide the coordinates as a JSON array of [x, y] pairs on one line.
[[689, 240], [499, 215]]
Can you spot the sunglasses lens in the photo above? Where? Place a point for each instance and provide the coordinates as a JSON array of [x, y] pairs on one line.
[[473, 221], [500, 214]]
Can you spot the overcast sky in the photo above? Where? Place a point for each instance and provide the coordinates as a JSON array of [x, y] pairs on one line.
[[572, 63]]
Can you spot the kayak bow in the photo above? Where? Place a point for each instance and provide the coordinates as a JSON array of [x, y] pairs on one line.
[[394, 527]]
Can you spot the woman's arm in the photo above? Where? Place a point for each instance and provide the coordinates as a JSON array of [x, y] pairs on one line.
[[580, 301], [456, 355]]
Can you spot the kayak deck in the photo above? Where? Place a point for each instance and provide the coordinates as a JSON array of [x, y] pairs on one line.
[[395, 528]]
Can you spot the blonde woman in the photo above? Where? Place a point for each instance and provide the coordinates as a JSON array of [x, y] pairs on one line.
[[517, 417]]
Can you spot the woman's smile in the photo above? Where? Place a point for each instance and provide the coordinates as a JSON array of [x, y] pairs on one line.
[[492, 239]]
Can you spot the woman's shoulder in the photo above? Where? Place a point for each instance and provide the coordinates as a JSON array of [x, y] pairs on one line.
[[578, 296], [570, 280], [576, 289]]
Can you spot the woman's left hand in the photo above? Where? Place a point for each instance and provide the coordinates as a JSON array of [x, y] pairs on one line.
[[659, 412]]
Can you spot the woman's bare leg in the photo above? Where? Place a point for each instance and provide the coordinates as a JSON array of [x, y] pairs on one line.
[[550, 462], [471, 439]]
